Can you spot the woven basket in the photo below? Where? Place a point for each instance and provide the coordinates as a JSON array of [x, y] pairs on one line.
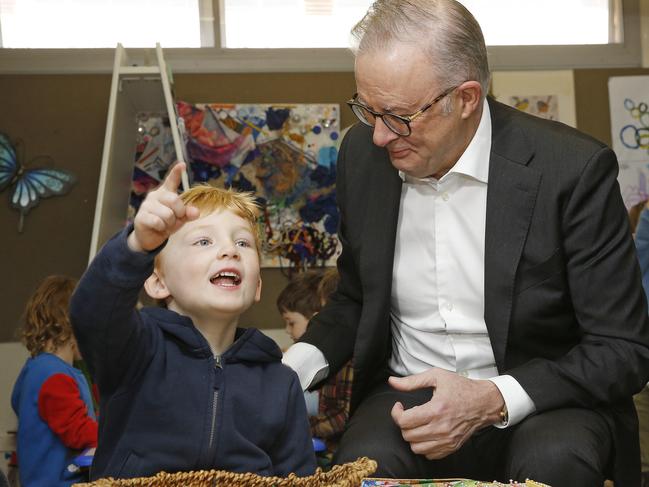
[[346, 475]]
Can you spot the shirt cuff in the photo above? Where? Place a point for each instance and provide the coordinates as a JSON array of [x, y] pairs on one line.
[[519, 404], [308, 362]]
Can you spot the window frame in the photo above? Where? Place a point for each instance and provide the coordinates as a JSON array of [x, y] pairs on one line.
[[224, 60]]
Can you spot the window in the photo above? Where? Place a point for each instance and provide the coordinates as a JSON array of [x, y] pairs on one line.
[[326, 23], [99, 23], [290, 23], [296, 35], [547, 22]]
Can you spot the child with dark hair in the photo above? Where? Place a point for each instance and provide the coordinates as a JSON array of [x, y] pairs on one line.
[[51, 398], [298, 302]]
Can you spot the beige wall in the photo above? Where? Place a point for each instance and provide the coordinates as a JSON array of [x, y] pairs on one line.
[[644, 28], [65, 118]]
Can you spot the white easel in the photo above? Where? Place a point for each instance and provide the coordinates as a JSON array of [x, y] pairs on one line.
[[134, 89]]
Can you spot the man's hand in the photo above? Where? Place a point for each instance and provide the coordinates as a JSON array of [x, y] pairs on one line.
[[162, 213], [459, 407]]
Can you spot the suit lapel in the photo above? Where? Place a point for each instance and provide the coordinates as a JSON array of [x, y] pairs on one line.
[[377, 255], [511, 196], [382, 216]]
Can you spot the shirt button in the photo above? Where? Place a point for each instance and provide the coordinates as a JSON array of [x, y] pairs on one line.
[[445, 196], [449, 306], [463, 373]]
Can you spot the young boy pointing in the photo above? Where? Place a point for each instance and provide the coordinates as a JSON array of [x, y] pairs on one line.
[[183, 388]]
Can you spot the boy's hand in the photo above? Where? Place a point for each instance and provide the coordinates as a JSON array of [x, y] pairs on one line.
[[162, 213]]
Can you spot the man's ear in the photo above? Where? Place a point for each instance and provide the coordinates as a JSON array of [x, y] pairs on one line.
[[155, 286], [471, 95], [258, 292]]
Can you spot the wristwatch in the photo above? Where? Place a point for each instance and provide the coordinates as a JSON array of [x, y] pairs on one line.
[[504, 415]]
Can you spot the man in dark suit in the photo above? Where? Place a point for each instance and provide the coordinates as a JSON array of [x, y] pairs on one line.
[[490, 295]]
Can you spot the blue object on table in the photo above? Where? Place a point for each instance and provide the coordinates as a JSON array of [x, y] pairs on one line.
[[85, 459], [318, 445]]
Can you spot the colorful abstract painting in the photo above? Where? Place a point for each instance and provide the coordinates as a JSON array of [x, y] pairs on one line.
[[629, 105], [285, 154]]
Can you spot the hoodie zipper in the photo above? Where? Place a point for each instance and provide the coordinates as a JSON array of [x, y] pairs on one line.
[[218, 367]]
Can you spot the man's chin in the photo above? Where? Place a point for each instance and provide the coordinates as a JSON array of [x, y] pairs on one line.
[[407, 167]]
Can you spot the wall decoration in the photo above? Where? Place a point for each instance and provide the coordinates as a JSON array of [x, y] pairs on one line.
[[508, 86], [29, 184], [285, 154], [629, 105], [546, 106]]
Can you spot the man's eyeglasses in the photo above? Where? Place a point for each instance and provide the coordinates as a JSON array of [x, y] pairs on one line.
[[399, 124]]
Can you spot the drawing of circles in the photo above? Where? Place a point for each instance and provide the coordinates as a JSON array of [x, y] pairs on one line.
[[644, 119], [642, 138], [629, 137]]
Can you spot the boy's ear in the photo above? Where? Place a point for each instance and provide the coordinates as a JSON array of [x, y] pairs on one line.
[[155, 286], [258, 293]]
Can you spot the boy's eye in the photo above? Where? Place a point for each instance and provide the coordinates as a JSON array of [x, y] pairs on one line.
[[202, 242], [242, 243]]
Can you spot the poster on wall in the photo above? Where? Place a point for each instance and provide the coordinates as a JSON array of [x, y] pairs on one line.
[[629, 107], [285, 154], [545, 106]]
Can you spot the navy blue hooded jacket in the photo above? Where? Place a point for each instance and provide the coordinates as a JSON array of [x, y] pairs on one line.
[[167, 404]]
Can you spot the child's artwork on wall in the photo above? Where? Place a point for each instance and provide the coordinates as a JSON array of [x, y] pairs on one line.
[[546, 106], [629, 105], [285, 154]]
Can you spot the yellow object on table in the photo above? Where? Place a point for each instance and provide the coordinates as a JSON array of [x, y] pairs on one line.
[[346, 475]]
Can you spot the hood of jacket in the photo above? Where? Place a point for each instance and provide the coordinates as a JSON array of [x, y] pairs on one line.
[[250, 345]]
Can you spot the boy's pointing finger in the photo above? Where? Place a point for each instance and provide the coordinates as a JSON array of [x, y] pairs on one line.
[[174, 178]]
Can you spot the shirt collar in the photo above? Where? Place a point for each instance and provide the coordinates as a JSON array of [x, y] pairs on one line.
[[474, 161]]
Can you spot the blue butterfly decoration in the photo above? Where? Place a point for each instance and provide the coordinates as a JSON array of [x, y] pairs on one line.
[[29, 185]]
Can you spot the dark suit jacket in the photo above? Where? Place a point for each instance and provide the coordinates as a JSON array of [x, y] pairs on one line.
[[564, 306]]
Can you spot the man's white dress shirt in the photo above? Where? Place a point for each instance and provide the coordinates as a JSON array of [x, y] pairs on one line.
[[437, 302]]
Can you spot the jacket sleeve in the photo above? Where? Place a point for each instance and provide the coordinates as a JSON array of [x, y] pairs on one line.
[[293, 450], [61, 407], [611, 360], [109, 329], [333, 329]]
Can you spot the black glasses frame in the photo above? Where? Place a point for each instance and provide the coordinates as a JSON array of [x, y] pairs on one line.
[[354, 104]]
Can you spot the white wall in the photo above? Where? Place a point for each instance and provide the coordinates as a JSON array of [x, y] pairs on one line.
[[644, 31], [280, 337], [12, 358]]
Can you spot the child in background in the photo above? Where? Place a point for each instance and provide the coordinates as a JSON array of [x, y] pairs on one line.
[[300, 300], [639, 220], [182, 388], [297, 303], [51, 398]]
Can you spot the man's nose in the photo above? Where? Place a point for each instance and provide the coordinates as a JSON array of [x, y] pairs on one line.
[[382, 135]]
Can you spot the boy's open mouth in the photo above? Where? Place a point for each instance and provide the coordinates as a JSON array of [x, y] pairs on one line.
[[226, 278]]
